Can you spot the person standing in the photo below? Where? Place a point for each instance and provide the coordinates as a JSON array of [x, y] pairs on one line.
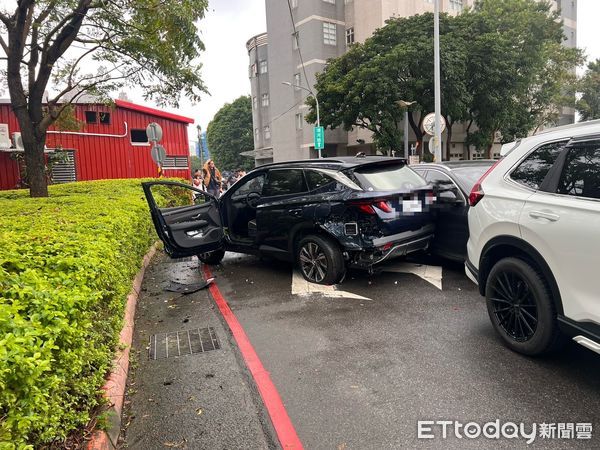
[[212, 178]]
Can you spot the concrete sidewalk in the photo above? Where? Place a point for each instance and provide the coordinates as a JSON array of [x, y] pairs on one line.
[[202, 400]]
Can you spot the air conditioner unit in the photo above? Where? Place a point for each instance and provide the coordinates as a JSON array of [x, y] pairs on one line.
[[17, 140], [4, 136]]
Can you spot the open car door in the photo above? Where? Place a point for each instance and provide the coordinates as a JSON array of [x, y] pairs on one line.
[[186, 219]]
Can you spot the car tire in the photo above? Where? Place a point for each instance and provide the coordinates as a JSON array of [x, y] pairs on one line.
[[521, 307], [320, 260], [212, 258]]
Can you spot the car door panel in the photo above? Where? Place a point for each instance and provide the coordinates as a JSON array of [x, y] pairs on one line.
[[563, 224], [282, 209], [452, 228], [190, 227]]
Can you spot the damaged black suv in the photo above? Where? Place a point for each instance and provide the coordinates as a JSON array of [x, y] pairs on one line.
[[325, 214]]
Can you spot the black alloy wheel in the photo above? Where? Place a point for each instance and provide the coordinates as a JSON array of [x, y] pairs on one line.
[[313, 262], [212, 258], [320, 260], [513, 305], [521, 307]]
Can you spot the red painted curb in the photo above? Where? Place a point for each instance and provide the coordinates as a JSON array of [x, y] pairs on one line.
[[286, 433], [114, 388]]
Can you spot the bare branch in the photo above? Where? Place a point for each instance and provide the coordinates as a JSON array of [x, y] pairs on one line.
[[49, 119], [3, 45], [5, 19]]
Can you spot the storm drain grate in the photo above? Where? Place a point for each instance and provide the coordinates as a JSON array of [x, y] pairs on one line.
[[180, 260], [182, 343]]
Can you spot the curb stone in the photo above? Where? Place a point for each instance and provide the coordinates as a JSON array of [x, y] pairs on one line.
[[114, 388]]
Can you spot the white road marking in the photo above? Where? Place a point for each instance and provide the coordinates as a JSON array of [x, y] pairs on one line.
[[303, 288], [431, 274]]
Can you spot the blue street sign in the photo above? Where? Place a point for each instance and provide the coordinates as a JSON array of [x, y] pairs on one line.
[[319, 138]]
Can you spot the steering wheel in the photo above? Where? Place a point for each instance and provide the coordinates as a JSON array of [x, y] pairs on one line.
[[252, 199]]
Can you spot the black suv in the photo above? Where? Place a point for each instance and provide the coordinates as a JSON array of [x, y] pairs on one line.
[[326, 214]]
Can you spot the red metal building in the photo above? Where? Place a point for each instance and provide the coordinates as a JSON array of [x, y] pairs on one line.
[[111, 144]]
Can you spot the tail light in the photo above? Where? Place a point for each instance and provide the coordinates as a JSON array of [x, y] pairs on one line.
[[477, 192], [369, 207], [384, 206]]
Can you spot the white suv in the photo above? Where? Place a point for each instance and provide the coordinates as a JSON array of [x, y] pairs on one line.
[[534, 245]]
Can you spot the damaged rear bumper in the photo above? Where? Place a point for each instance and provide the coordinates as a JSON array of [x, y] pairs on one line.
[[394, 246]]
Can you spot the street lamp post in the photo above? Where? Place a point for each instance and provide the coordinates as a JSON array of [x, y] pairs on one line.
[[287, 83], [405, 104], [436, 81]]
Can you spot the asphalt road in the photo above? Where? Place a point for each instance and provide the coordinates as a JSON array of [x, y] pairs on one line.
[[359, 373]]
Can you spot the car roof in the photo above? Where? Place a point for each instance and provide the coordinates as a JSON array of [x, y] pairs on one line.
[[338, 163], [452, 165]]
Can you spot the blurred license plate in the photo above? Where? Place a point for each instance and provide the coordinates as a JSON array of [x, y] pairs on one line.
[[413, 206]]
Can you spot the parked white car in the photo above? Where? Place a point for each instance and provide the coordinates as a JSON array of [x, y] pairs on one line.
[[534, 244]]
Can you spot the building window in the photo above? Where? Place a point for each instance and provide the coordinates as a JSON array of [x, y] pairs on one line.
[[265, 100], [329, 33], [139, 137], [456, 5], [254, 102], [253, 70], [91, 117], [297, 81], [263, 66], [256, 135], [267, 132], [104, 118], [350, 36], [294, 3], [299, 121]]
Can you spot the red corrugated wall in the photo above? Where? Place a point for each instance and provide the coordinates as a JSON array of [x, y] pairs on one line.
[[105, 157], [9, 171]]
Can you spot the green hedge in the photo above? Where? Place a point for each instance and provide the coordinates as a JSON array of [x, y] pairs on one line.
[[66, 267]]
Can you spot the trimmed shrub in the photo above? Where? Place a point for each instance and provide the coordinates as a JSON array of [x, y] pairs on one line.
[[66, 265]]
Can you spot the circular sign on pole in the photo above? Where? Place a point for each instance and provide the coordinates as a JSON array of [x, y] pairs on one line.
[[429, 124], [432, 144], [158, 154], [154, 132]]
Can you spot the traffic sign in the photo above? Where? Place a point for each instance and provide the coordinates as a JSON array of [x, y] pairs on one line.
[[319, 138], [429, 124], [158, 154], [154, 132]]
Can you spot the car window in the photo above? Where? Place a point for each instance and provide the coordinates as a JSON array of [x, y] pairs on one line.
[[468, 176], [439, 178], [532, 171], [321, 182], [388, 178], [284, 182], [581, 172], [253, 185]]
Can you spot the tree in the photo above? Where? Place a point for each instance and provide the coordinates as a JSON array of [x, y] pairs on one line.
[[519, 71], [503, 71], [230, 133], [589, 87], [362, 87], [94, 47]]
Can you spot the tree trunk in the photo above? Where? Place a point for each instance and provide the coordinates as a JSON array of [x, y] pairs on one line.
[[418, 133], [448, 139], [35, 164]]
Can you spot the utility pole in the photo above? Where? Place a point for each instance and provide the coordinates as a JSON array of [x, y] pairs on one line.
[[437, 145]]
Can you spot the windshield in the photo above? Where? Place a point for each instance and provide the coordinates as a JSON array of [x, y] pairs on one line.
[[394, 177]]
